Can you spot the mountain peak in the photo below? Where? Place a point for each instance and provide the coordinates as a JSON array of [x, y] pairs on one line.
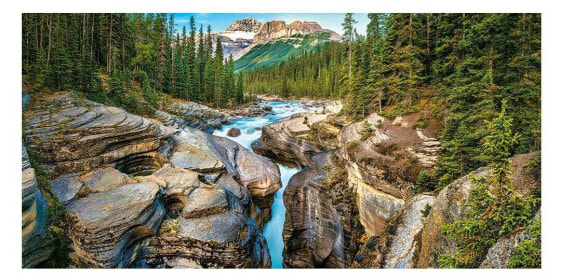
[[276, 29], [247, 24]]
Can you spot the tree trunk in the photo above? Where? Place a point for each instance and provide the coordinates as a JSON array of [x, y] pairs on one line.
[[109, 46], [91, 41], [50, 26], [463, 27], [428, 33], [409, 97]]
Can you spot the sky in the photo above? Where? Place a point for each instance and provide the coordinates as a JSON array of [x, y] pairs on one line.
[[220, 21]]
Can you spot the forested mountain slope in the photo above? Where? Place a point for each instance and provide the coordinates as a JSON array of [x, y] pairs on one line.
[[277, 51]]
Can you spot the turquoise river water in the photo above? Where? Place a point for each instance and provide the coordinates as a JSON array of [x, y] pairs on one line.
[[250, 131]]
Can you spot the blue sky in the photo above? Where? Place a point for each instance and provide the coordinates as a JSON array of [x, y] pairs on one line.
[[220, 21]]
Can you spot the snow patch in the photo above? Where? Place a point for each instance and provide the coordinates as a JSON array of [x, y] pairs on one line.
[[238, 35]]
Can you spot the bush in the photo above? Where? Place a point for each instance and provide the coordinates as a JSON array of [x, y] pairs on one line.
[[534, 167], [386, 149], [366, 130], [420, 124], [529, 253], [426, 210], [425, 182]]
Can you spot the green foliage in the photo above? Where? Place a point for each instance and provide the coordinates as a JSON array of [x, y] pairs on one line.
[[528, 254], [400, 110], [426, 210], [482, 59], [278, 51], [365, 130], [425, 182], [299, 77], [96, 92], [498, 146], [57, 220], [131, 48], [116, 89], [486, 221], [494, 210], [534, 167], [386, 149]]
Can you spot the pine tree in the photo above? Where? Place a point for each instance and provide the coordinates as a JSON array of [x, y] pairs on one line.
[[239, 89], [498, 147], [219, 75]]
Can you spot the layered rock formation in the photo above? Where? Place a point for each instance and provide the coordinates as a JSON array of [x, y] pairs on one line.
[[286, 141], [383, 163], [140, 193], [181, 114], [36, 246], [68, 135], [379, 167], [396, 246], [313, 233], [276, 29]]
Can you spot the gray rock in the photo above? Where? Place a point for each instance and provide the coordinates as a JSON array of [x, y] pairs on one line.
[[106, 223], [68, 135], [499, 255], [36, 245], [313, 233]]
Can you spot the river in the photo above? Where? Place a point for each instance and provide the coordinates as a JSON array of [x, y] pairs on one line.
[[250, 128]]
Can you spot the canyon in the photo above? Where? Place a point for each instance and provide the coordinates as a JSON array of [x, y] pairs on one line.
[[167, 192]]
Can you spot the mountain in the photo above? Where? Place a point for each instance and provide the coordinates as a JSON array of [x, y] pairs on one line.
[[276, 42], [254, 44], [282, 49], [277, 29], [237, 39]]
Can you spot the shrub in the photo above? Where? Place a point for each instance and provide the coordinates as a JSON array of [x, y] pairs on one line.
[[528, 254], [386, 149], [366, 130], [425, 182], [426, 210], [533, 167], [420, 124]]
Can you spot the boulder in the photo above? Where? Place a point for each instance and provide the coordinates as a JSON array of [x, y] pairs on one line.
[[180, 114], [105, 224], [233, 132], [201, 152], [194, 151], [212, 230], [396, 246], [286, 141], [241, 163]]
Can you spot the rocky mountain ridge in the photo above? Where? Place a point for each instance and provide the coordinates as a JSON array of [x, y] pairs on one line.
[[247, 24], [241, 36]]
